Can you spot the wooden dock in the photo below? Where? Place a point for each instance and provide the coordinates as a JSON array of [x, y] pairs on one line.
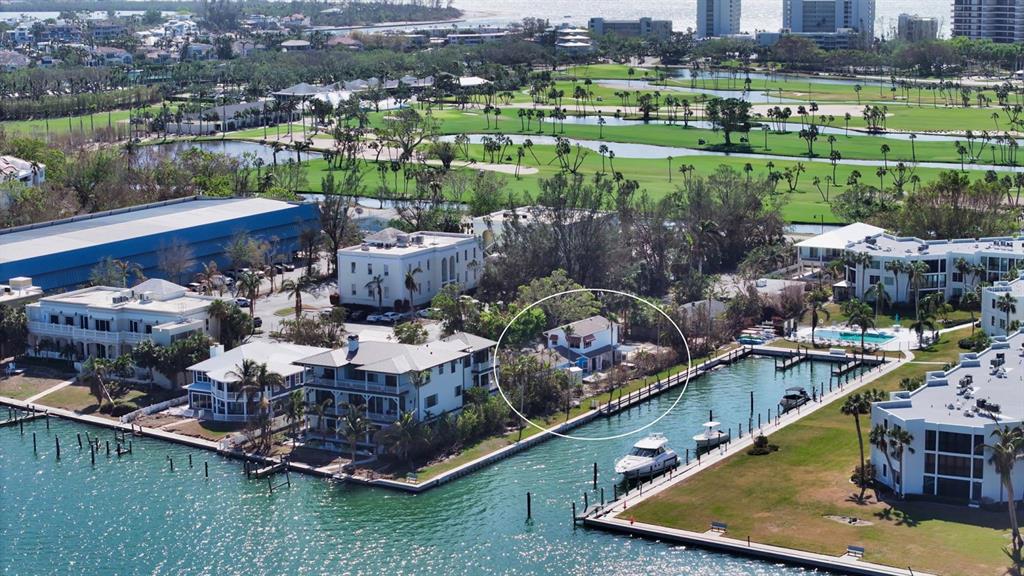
[[783, 364], [16, 420], [846, 367]]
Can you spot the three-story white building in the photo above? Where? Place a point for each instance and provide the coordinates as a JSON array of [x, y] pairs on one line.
[[106, 322], [386, 379], [373, 274], [951, 418]]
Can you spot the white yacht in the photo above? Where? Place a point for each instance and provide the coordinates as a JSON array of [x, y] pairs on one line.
[[794, 398], [649, 456], [711, 437]]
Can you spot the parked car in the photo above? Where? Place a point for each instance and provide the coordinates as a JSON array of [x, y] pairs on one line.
[[357, 315], [392, 317], [426, 312], [375, 317], [406, 315], [257, 322], [195, 287], [289, 266], [242, 302]]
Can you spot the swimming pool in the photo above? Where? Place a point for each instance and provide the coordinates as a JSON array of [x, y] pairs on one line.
[[853, 336]]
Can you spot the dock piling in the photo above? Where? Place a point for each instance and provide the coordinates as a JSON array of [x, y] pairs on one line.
[[602, 495], [595, 475], [206, 470], [529, 507], [189, 460], [586, 502], [573, 514], [56, 440], [34, 450], [79, 435]]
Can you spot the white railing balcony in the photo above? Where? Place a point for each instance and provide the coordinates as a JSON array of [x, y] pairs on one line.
[[49, 329], [360, 385]]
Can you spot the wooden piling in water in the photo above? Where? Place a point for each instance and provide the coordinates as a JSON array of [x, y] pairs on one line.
[[206, 469], [602, 495], [595, 475], [586, 502], [189, 460], [529, 507], [56, 440], [573, 514], [92, 454], [34, 450]]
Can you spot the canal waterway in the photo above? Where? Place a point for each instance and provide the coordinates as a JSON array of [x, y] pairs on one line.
[[133, 515]]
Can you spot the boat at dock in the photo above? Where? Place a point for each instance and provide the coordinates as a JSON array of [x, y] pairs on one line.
[[649, 456], [711, 437], [794, 398]]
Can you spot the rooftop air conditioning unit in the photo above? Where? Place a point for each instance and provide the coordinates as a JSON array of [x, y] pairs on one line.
[[364, 247]]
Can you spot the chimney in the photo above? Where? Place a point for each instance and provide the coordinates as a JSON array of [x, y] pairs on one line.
[[353, 344], [216, 350]]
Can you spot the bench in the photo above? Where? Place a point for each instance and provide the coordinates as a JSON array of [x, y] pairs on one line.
[[719, 527], [855, 551]]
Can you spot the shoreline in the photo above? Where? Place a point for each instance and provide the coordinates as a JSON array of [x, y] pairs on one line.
[[605, 409], [610, 516]]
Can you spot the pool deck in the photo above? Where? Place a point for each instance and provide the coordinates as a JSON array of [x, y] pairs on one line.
[[613, 516]]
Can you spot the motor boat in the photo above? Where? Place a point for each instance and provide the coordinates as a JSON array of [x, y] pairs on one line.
[[794, 398], [649, 456], [711, 437]]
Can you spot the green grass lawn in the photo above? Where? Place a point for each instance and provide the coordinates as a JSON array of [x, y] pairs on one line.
[[784, 499], [77, 398], [82, 124]]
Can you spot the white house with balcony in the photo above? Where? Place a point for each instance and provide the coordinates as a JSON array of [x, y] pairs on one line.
[[217, 393], [373, 273], [590, 344], [986, 259], [385, 379], [106, 322], [950, 418]]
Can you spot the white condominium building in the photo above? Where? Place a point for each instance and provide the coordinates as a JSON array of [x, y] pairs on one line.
[[373, 274], [386, 379], [999, 314], [718, 18], [914, 28], [950, 418], [953, 266], [105, 322]]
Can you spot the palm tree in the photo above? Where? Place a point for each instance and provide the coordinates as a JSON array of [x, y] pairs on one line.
[[295, 409], [969, 301], [246, 375], [900, 442], [354, 427], [859, 314], [377, 285], [859, 260], [917, 271], [402, 436], [294, 289], [419, 378], [320, 408], [858, 405], [879, 438], [97, 372], [249, 284], [411, 285], [817, 300], [878, 294], [922, 323], [1007, 304], [1008, 447], [895, 267]]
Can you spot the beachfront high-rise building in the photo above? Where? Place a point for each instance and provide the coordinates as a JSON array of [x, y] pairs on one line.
[[914, 28], [996, 20], [829, 16], [718, 18], [642, 28]]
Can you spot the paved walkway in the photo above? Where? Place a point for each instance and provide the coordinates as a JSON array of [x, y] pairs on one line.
[[63, 384], [614, 515]]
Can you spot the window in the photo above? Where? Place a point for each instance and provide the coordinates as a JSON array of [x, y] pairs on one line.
[[69, 321], [453, 366], [353, 267], [458, 391], [956, 443], [929, 440], [431, 400], [440, 369], [353, 289], [133, 326], [958, 277], [369, 268], [54, 319], [328, 374], [954, 466], [149, 328], [385, 269], [390, 380], [103, 325]]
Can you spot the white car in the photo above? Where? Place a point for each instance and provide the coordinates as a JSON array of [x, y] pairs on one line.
[[392, 317], [426, 312], [376, 317]]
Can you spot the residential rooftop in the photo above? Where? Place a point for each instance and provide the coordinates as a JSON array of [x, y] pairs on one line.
[[397, 358], [153, 295], [839, 238], [280, 358], [391, 241], [101, 228], [953, 397], [585, 327], [861, 237]]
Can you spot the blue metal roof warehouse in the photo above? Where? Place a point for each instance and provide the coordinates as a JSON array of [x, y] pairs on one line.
[[60, 254]]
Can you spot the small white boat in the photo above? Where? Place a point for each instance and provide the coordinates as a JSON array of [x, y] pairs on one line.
[[648, 457], [711, 437]]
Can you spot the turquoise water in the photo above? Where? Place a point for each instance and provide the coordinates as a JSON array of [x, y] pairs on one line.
[[134, 516], [853, 336]]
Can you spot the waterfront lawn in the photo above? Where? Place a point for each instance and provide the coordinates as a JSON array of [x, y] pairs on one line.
[[209, 430], [77, 398], [887, 319], [784, 499], [32, 382]]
